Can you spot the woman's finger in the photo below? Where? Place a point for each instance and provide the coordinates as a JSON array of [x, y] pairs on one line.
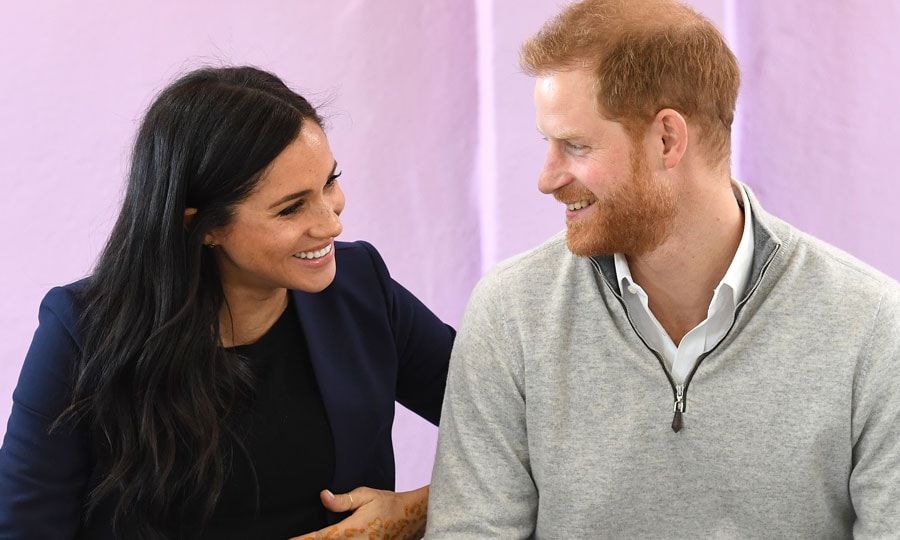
[[347, 502]]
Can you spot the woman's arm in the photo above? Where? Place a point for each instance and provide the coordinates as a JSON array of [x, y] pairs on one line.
[[43, 476], [423, 344]]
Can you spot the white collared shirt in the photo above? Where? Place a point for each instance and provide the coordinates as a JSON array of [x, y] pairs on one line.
[[680, 359]]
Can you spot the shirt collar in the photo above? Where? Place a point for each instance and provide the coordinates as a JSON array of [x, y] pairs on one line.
[[738, 273], [623, 272]]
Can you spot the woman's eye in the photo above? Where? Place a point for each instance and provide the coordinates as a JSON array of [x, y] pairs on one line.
[[332, 179], [291, 209]]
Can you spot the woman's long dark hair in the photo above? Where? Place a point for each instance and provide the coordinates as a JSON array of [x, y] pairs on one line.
[[153, 385]]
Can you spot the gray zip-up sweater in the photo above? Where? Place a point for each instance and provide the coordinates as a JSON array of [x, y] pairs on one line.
[[558, 419]]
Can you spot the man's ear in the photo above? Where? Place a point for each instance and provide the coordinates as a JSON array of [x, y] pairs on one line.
[[670, 130]]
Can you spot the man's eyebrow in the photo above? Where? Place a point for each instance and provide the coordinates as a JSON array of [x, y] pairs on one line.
[[303, 193], [563, 135]]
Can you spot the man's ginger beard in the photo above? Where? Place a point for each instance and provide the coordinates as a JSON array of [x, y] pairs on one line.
[[633, 219]]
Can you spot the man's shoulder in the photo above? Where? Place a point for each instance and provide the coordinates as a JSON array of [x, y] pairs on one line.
[[537, 265], [831, 269], [816, 271], [548, 269], [552, 250]]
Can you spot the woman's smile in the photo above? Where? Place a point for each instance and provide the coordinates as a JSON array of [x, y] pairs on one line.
[[317, 257]]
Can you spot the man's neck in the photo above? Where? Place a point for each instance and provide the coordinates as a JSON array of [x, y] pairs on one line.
[[681, 275]]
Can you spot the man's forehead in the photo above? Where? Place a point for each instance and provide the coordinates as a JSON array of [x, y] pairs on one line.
[[563, 93], [566, 103]]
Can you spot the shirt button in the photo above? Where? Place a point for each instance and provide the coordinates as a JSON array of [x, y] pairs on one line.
[[633, 289]]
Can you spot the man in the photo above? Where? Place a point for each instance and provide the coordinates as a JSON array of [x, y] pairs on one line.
[[680, 363]]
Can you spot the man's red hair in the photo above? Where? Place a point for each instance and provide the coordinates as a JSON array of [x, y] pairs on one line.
[[647, 55]]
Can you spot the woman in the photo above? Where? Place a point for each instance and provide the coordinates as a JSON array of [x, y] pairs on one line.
[[228, 363]]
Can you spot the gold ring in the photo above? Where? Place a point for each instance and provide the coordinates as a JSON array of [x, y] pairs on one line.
[[351, 502]]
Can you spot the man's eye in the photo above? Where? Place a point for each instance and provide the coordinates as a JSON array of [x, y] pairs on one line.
[[291, 209], [576, 147]]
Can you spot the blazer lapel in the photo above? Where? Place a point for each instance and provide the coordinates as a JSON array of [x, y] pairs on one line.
[[338, 360]]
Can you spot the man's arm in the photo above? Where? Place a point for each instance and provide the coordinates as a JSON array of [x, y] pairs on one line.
[[482, 485], [875, 479]]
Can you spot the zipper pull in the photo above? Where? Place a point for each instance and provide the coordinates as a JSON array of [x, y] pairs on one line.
[[678, 420]]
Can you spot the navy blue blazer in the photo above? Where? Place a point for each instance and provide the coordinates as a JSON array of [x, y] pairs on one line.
[[371, 343]]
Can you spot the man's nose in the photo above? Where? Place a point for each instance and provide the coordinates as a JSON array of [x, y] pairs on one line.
[[554, 175]]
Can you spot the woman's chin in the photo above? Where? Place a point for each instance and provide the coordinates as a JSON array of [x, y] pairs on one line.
[[317, 281]]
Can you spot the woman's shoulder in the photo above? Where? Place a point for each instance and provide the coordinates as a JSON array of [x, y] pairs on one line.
[[361, 277], [65, 304], [357, 258], [67, 298], [356, 248], [47, 374]]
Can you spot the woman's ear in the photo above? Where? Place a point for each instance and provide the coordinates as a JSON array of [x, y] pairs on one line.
[[189, 214], [209, 239]]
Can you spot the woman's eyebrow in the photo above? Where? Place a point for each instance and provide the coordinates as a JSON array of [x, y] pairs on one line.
[[303, 193]]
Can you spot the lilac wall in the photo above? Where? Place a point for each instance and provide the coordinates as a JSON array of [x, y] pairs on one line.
[[819, 118], [402, 102], [432, 122]]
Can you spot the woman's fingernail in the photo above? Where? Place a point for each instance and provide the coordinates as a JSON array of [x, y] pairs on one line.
[[329, 494]]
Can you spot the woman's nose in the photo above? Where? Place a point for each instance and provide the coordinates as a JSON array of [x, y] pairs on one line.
[[328, 223]]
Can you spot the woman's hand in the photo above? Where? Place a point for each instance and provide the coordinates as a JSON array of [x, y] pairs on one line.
[[376, 514]]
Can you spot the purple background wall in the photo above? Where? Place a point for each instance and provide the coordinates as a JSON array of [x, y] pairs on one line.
[[432, 123], [819, 119]]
